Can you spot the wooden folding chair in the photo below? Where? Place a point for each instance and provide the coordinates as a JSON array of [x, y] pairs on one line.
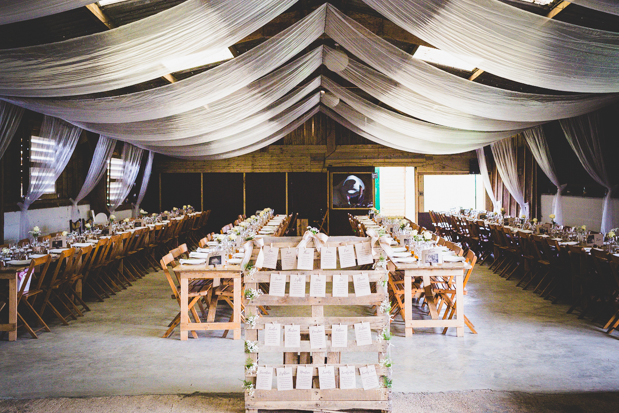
[[449, 295], [25, 297]]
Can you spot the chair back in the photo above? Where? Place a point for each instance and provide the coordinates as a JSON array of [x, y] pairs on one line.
[[42, 265]]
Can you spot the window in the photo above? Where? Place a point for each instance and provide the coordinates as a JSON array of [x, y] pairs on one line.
[[444, 192], [395, 194], [114, 179], [41, 155]]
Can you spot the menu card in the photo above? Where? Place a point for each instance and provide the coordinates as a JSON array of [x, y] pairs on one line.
[[297, 285], [318, 285], [369, 379], [364, 253], [306, 259], [304, 377], [348, 377], [340, 285], [339, 336], [362, 284], [272, 334], [328, 258], [277, 286], [289, 258], [326, 377], [284, 378], [347, 256], [317, 337], [264, 379], [363, 334], [270, 257], [292, 336]]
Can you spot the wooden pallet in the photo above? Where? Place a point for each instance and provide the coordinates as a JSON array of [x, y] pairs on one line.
[[317, 399]]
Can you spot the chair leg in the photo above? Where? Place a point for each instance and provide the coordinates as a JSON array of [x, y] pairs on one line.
[[45, 327], [25, 324]]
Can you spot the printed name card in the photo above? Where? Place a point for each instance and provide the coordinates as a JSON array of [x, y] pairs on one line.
[[264, 378], [364, 253], [270, 257], [347, 256], [284, 378], [272, 334], [306, 259], [362, 284], [326, 377], [339, 336], [369, 379], [277, 286], [318, 285], [348, 377], [292, 336], [340, 285], [304, 377], [297, 285], [260, 259], [289, 258], [317, 337], [363, 334], [328, 258]]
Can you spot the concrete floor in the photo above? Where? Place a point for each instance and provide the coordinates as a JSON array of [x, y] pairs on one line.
[[525, 344]]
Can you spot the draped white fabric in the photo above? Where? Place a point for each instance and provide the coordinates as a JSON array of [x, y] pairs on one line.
[[98, 167], [61, 139], [504, 153], [145, 178], [133, 53], [191, 93], [10, 116], [131, 156], [513, 43], [483, 168], [12, 11], [586, 138], [606, 6], [453, 91], [536, 139]]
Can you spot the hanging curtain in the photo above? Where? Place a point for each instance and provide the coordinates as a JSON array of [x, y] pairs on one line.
[[147, 171], [130, 157], [175, 39], [481, 32], [539, 148], [10, 116], [483, 168], [59, 140], [98, 167], [12, 11], [504, 153], [585, 135]]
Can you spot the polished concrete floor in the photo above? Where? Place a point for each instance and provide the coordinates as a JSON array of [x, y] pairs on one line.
[[525, 346]]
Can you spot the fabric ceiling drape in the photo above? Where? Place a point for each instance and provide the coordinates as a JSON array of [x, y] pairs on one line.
[[483, 168], [12, 11], [536, 139], [136, 52], [58, 140], [542, 54], [586, 137], [606, 6], [98, 167], [504, 153], [131, 156], [10, 116], [147, 172]]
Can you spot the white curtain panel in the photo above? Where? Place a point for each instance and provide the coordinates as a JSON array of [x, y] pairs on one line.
[[12, 11], [223, 113], [504, 153], [536, 139], [193, 92], [483, 168], [98, 167], [61, 141], [513, 43], [586, 138], [10, 116], [147, 172], [606, 6], [131, 156], [134, 53]]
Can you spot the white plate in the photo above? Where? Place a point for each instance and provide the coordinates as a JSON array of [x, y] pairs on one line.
[[82, 244], [57, 250], [192, 261], [18, 262], [399, 249], [239, 255], [235, 261], [38, 255], [450, 258], [201, 255], [401, 254], [569, 243], [405, 260], [212, 243]]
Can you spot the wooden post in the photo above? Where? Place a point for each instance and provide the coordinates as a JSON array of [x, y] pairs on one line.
[[244, 196], [201, 192], [286, 193]]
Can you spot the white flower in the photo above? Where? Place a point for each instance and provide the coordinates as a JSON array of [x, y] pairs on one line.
[[251, 320], [427, 235], [184, 206], [175, 209], [414, 232], [126, 220], [252, 293], [232, 237], [611, 234], [584, 227], [65, 233], [534, 220], [87, 226], [142, 211], [552, 216], [523, 216], [112, 217], [5, 251], [36, 229], [251, 346], [154, 214], [166, 212]]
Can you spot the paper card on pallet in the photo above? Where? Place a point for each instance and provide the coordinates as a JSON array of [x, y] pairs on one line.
[[317, 337], [347, 256], [304, 377], [306, 259], [348, 377], [284, 378], [340, 285], [362, 284], [363, 334], [292, 336], [272, 334], [270, 257], [328, 258], [326, 377], [432, 256], [277, 286], [339, 335], [289, 258], [364, 253], [297, 285], [318, 285], [369, 379], [264, 378]]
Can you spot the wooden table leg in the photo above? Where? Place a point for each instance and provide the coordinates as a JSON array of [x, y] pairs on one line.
[[184, 308], [408, 304], [460, 306], [237, 307], [13, 307], [430, 299]]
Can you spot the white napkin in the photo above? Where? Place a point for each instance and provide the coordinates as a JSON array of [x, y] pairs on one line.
[[205, 250], [192, 261], [198, 255]]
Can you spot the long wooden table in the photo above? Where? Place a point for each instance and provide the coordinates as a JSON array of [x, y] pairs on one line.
[[10, 274]]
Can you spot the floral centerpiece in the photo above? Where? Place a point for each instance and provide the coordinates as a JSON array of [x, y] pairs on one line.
[[143, 213], [112, 218], [36, 232], [552, 219]]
